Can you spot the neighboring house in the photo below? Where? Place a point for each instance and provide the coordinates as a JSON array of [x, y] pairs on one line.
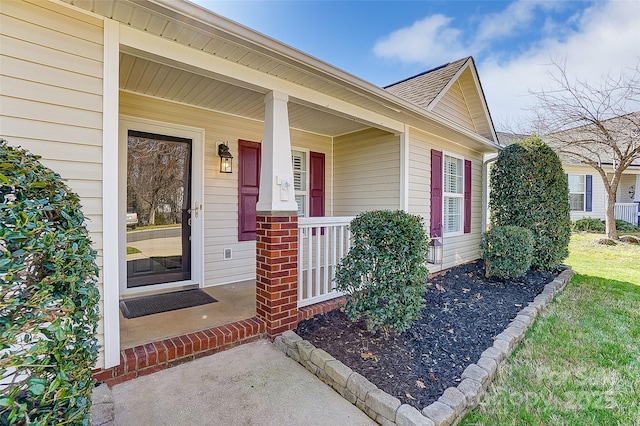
[[587, 192], [140, 104]]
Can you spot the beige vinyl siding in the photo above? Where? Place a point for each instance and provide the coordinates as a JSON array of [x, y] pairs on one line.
[[51, 98], [626, 181], [474, 104], [453, 106], [220, 189], [460, 248], [462, 104], [598, 194], [366, 172]]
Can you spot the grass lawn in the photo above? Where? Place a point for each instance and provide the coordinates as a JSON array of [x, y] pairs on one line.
[[580, 362], [132, 250]]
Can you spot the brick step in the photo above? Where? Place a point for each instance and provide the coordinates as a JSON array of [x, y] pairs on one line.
[[151, 357]]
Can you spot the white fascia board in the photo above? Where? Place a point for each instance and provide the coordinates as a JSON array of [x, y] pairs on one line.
[[448, 85], [147, 44], [483, 99], [476, 80]]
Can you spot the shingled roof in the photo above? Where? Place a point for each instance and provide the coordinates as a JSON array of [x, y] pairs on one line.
[[586, 141], [423, 88]]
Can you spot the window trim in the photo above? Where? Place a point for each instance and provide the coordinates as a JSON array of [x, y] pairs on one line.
[[446, 195], [583, 193], [306, 192]]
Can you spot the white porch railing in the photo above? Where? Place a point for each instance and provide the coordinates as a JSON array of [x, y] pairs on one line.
[[322, 243], [627, 212]]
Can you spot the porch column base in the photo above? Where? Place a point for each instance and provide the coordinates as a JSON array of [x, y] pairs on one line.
[[277, 270]]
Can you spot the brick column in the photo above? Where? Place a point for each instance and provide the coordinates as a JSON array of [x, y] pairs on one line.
[[277, 270]]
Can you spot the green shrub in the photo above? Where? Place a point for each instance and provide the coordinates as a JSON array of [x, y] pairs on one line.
[[48, 303], [622, 225], [589, 224], [507, 251], [529, 189], [384, 274]]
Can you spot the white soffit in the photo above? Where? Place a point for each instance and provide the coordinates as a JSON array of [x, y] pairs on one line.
[[200, 29]]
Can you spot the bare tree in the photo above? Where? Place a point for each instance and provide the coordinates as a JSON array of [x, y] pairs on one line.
[[594, 125], [156, 178]]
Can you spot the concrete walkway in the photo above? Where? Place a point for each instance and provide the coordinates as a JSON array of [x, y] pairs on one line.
[[252, 384]]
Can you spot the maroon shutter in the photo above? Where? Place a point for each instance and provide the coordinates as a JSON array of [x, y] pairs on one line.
[[316, 184], [436, 193], [248, 188], [467, 196]]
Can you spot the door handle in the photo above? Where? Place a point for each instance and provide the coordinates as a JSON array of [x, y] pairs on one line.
[[195, 209]]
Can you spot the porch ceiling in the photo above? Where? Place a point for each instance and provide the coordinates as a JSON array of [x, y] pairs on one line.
[[192, 26], [147, 77]]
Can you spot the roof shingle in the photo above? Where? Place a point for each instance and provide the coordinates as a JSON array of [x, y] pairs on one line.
[[423, 88]]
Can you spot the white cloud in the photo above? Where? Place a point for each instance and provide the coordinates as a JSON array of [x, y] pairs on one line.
[[428, 41], [607, 41], [602, 38], [516, 16]]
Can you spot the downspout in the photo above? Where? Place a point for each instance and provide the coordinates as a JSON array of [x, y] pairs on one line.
[[486, 167]]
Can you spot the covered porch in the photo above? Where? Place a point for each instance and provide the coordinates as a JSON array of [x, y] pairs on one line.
[[231, 105], [322, 242], [629, 212], [311, 147], [155, 342]]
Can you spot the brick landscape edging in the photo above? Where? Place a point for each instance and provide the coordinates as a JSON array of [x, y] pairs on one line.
[[454, 403]]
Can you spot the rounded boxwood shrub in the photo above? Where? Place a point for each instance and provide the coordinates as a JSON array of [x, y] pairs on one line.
[[529, 189], [507, 251], [48, 298], [384, 274]]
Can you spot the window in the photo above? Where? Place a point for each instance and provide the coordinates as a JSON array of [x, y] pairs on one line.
[[300, 181], [450, 194], [453, 194], [577, 192]]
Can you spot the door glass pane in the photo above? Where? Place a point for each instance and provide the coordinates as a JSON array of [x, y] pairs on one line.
[[158, 209]]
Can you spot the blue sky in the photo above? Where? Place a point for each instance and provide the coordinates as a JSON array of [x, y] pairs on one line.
[[512, 42]]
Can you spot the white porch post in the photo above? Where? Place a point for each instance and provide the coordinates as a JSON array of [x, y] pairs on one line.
[[276, 174], [110, 213], [277, 224]]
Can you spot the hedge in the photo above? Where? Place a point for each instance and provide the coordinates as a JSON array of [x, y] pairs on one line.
[[48, 297]]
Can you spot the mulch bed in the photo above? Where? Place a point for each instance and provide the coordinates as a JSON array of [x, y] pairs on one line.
[[462, 312]]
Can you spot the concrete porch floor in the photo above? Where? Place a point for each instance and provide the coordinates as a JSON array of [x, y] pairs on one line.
[[235, 302]]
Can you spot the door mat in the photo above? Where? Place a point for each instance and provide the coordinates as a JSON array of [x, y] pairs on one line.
[[148, 305]]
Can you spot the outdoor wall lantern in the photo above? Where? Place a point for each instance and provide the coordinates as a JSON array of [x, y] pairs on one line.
[[435, 251], [226, 158]]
